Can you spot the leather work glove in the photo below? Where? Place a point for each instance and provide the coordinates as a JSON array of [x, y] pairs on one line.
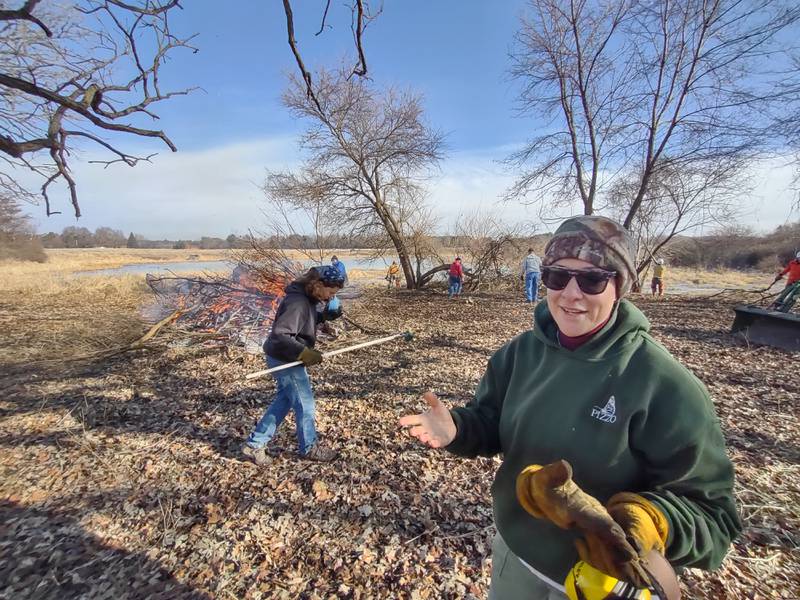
[[646, 526], [549, 493], [310, 357], [646, 529]]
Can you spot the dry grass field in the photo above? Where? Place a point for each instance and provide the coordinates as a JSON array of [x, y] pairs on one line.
[[69, 260], [49, 317], [722, 278]]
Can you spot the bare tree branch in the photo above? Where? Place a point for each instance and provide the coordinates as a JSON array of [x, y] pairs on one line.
[[324, 16], [360, 20], [488, 245], [77, 73], [635, 87], [358, 30], [679, 199], [24, 14]]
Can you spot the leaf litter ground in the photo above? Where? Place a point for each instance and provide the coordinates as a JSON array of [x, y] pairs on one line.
[[123, 479]]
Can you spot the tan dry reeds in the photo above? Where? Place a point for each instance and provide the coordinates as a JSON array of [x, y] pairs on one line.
[[50, 317]]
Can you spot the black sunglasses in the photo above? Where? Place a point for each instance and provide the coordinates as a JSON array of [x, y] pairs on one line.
[[591, 282]]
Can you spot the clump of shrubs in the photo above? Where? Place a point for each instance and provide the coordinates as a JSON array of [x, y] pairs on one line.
[[28, 248], [18, 240], [739, 249]]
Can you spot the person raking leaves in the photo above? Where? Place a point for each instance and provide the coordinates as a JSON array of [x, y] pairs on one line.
[[292, 337], [611, 448]]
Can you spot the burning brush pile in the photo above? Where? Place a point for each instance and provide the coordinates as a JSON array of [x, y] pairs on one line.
[[239, 308]]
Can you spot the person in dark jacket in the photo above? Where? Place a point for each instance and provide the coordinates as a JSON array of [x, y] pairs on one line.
[[590, 386], [292, 338]]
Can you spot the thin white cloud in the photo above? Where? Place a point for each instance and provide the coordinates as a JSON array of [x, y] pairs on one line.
[[772, 201], [183, 195], [476, 180], [471, 181], [215, 192]]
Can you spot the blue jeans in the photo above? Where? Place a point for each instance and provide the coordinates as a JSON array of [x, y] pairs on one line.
[[455, 286], [532, 286], [293, 392]]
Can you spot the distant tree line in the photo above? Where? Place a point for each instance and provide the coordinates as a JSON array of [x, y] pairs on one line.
[[737, 248], [106, 237]]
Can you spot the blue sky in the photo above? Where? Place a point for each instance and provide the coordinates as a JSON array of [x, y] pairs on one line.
[[454, 53]]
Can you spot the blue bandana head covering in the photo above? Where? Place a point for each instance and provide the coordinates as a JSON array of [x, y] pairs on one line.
[[330, 275]]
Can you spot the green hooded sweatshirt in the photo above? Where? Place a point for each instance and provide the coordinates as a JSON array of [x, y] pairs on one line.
[[625, 414]]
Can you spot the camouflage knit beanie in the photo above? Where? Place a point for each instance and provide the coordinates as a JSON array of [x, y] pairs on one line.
[[598, 240]]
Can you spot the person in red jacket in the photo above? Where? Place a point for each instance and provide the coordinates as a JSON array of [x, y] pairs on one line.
[[456, 278], [793, 269], [791, 292]]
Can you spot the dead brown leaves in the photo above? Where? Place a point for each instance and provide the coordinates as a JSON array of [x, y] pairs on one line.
[[125, 481]]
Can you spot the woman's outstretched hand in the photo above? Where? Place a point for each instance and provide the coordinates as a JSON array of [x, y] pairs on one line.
[[435, 427]]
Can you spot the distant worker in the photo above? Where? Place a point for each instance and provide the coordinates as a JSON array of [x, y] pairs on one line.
[[793, 269], [791, 292], [456, 278], [334, 303], [393, 275], [657, 284], [531, 266], [339, 265]]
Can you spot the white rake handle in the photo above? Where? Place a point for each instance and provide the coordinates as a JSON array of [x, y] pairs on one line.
[[327, 354]]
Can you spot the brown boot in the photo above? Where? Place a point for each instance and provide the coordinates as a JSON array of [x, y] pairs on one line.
[[321, 453], [257, 455]]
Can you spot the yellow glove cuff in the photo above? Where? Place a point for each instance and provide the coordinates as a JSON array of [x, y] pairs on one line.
[[641, 518], [525, 491]]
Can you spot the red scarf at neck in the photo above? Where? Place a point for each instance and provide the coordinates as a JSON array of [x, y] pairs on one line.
[[571, 343]]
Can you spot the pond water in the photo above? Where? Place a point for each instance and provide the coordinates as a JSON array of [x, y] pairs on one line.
[[165, 267], [218, 266]]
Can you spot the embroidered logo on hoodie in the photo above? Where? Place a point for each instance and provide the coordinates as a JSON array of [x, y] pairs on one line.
[[606, 414]]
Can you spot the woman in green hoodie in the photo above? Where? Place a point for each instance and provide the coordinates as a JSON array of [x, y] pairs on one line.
[[590, 386]]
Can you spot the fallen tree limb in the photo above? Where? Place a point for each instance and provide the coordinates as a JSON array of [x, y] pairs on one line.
[[155, 328]]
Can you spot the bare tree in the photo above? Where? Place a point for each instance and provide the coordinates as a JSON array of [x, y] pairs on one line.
[[418, 223], [89, 70], [108, 237], [86, 71], [489, 246], [787, 122], [366, 154], [630, 86], [677, 201]]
